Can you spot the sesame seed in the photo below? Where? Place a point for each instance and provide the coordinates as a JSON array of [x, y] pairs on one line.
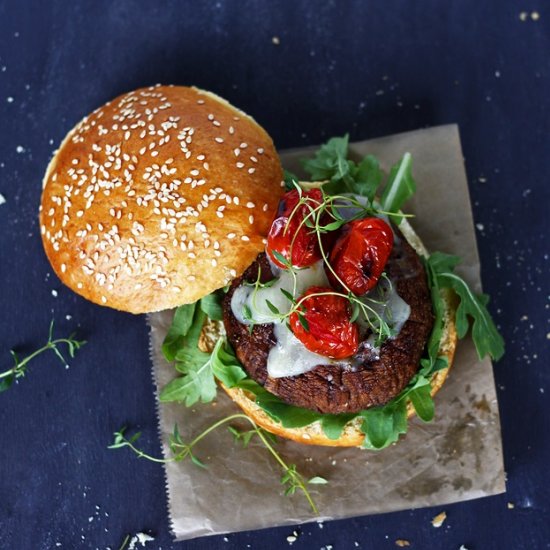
[[231, 130], [237, 152], [219, 139], [63, 268], [260, 151], [103, 299], [239, 165], [190, 277], [251, 170], [231, 235], [250, 219], [245, 238], [250, 204], [200, 101], [210, 117], [243, 145]]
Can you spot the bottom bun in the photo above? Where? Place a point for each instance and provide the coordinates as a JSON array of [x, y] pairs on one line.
[[352, 436]]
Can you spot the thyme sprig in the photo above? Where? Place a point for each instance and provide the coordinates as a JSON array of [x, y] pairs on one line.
[[19, 368], [181, 450]]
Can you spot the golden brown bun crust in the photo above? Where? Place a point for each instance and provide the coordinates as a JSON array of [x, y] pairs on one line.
[[158, 198], [352, 436]]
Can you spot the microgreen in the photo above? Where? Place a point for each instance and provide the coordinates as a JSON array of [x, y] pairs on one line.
[[19, 368], [181, 450]]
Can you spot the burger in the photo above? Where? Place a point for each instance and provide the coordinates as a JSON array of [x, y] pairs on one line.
[[314, 305]]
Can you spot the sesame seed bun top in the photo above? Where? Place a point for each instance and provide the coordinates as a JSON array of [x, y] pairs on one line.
[[158, 198]]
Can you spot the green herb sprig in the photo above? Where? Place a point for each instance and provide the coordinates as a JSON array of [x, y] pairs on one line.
[[291, 478], [19, 368]]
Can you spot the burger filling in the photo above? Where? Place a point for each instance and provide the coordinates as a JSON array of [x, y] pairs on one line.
[[333, 320]]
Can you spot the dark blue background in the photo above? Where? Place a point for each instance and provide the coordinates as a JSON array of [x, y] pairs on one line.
[[370, 68]]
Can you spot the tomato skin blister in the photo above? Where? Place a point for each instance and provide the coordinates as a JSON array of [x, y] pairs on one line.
[[359, 255], [328, 329], [289, 236]]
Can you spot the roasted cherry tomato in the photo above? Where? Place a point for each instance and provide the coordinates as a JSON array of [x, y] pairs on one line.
[[360, 254], [328, 329], [288, 232]]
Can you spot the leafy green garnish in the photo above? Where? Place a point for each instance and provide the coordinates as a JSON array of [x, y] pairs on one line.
[[225, 366], [175, 337], [332, 165], [211, 305], [399, 188], [197, 382], [19, 368], [485, 335], [383, 425], [290, 180]]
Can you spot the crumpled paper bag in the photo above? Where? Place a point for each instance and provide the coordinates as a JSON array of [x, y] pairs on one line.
[[456, 457]]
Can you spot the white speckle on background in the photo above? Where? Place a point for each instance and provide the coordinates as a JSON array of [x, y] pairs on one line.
[[139, 538], [535, 15], [9, 99], [497, 74], [481, 179], [20, 149], [480, 226], [54, 293], [2, 199], [276, 40]]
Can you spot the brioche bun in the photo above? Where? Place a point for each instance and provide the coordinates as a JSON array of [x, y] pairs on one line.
[[352, 436], [158, 198]]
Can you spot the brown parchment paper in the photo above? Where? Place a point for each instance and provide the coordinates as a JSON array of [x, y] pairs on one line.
[[456, 457]]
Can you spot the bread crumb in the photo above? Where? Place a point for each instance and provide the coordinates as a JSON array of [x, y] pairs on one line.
[[438, 520], [402, 542], [511, 506], [2, 199], [523, 16], [535, 15]]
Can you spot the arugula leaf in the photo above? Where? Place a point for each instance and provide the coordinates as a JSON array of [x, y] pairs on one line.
[[197, 384], [211, 305], [383, 425], [367, 176], [399, 188], [289, 178], [329, 161], [332, 165], [333, 424], [422, 401], [175, 337], [225, 366], [485, 335]]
